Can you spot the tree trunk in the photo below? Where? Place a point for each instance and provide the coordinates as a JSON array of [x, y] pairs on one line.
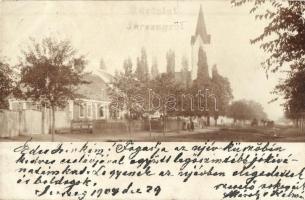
[[149, 123], [163, 125], [43, 120], [178, 127], [129, 124], [301, 125], [208, 120], [129, 127], [53, 124]]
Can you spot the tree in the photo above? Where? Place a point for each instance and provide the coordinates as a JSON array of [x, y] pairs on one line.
[[257, 111], [203, 79], [283, 39], [293, 90], [222, 89], [124, 89], [154, 68], [170, 62], [167, 90], [51, 70], [186, 78], [246, 110], [185, 63], [7, 83], [239, 111], [142, 71]]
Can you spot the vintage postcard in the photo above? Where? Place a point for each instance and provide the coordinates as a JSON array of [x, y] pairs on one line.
[[152, 99]]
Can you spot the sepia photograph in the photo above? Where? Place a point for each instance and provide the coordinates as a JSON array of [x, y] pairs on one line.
[[170, 71], [151, 99]]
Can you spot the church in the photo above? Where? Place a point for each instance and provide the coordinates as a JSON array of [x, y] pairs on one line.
[[199, 43]]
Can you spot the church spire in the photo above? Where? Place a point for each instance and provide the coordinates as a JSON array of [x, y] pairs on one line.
[[201, 29]]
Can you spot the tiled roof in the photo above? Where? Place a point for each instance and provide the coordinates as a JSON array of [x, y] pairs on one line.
[[95, 90]]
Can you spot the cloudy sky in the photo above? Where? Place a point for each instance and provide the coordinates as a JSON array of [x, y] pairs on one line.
[[101, 29]]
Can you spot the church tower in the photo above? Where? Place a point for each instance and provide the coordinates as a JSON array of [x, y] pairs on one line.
[[199, 42]]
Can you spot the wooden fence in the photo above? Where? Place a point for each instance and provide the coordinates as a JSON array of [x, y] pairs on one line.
[[81, 126], [30, 122], [121, 126]]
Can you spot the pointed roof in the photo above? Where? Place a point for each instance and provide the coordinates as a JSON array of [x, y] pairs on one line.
[[201, 29]]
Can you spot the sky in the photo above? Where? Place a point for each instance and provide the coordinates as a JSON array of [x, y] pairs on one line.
[[101, 29]]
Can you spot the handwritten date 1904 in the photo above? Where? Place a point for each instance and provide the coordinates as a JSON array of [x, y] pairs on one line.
[[99, 192]]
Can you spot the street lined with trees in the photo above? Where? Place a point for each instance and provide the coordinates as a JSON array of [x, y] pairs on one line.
[[51, 71]]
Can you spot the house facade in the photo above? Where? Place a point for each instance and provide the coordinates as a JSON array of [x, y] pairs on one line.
[[93, 103], [88, 109]]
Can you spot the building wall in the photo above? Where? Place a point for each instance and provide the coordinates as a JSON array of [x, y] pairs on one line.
[[62, 120], [90, 110], [9, 123], [26, 122], [29, 122]]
